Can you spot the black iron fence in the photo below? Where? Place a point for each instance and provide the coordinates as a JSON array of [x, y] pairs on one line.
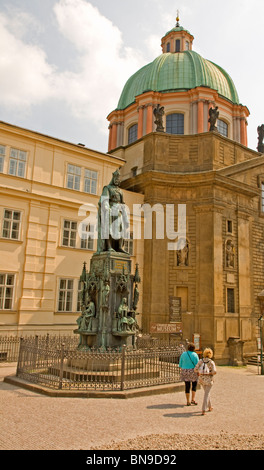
[[9, 348], [59, 366], [9, 345]]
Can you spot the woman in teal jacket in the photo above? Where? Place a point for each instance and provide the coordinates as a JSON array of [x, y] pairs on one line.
[[188, 361]]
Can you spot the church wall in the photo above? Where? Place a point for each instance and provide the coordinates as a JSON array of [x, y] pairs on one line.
[[192, 153], [222, 213]]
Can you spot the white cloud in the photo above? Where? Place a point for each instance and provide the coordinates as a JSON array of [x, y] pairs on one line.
[[84, 26], [152, 43], [25, 76], [21, 22], [104, 63]]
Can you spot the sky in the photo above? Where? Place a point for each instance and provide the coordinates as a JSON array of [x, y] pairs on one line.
[[64, 63]]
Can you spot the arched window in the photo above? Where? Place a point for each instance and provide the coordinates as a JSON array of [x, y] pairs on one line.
[[175, 123], [177, 45], [168, 47], [132, 133], [222, 127]]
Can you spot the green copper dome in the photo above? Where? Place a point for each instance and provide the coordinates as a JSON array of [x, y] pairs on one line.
[[182, 71]]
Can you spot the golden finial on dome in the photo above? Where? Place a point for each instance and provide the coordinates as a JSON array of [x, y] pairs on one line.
[[178, 18]]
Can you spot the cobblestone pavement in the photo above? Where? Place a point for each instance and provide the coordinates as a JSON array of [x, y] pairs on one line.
[[38, 422]]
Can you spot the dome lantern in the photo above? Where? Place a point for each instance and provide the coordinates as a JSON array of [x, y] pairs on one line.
[[178, 39]]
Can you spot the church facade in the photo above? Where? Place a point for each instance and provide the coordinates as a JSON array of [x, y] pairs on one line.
[[216, 278]]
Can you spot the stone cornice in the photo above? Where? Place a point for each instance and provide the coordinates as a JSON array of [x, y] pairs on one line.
[[179, 180], [243, 166]]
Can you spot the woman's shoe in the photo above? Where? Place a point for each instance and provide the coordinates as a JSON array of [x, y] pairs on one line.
[[193, 402]]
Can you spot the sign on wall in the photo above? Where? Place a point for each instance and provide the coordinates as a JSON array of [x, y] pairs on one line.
[[197, 341], [175, 308], [166, 327]]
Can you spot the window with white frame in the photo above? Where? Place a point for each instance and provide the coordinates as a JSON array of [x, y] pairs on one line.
[[11, 224], [90, 181], [79, 298], [129, 244], [73, 177], [65, 295], [69, 235], [2, 157], [7, 284], [87, 236], [17, 162]]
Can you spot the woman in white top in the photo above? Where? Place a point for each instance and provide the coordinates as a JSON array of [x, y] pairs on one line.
[[206, 370]]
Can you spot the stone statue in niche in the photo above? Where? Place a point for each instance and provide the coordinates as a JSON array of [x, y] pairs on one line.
[[158, 113], [85, 320], [260, 146], [125, 321], [213, 116], [230, 254], [122, 315], [135, 297], [105, 294], [183, 255]]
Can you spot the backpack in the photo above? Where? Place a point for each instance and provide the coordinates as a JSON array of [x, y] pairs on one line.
[[203, 368]]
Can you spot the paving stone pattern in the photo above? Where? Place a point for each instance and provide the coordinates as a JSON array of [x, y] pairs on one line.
[[30, 421]]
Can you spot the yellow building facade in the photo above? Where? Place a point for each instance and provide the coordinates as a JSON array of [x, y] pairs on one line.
[[49, 191]]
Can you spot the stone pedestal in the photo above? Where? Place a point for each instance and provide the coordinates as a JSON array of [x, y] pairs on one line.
[[236, 351], [112, 289], [104, 369]]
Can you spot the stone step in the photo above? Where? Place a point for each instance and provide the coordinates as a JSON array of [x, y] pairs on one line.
[[253, 360], [100, 376]]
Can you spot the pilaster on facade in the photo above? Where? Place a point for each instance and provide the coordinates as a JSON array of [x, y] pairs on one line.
[[150, 118], [140, 121], [38, 286]]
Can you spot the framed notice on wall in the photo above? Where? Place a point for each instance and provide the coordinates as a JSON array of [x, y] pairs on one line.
[[197, 341], [175, 309]]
